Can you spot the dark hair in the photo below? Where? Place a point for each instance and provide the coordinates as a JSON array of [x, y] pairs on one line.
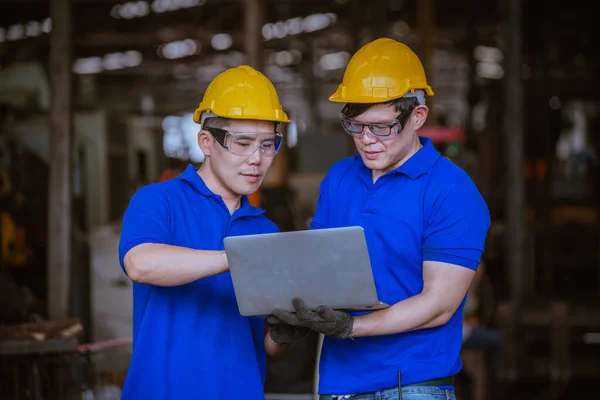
[[215, 122], [402, 105], [223, 123]]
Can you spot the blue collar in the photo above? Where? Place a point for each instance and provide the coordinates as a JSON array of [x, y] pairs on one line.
[[420, 162], [191, 176]]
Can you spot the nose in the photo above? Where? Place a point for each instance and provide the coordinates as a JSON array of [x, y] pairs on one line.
[[256, 157], [367, 136]]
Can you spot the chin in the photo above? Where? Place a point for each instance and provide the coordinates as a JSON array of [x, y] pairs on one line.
[[375, 164], [247, 189]]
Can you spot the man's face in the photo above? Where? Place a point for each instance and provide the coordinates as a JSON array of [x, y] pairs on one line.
[[241, 174], [383, 154]]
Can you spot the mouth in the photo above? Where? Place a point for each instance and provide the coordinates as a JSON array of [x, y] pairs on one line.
[[252, 178], [371, 155]]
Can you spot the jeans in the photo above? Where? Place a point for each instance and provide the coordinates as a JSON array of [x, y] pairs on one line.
[[408, 393]]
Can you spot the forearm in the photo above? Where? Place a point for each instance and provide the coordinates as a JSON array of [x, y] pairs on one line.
[[165, 265], [417, 312]]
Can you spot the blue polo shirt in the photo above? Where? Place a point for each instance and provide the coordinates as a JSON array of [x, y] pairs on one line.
[[428, 209], [190, 341]]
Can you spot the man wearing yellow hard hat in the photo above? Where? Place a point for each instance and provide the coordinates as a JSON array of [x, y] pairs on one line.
[[189, 339], [425, 223]]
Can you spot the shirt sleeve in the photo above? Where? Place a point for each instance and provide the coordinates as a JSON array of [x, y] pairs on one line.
[[146, 220], [457, 227], [320, 219]]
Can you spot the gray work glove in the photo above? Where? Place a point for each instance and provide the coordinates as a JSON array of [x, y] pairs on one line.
[[284, 334], [322, 319]]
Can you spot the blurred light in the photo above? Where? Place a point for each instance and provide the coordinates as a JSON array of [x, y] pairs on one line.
[[133, 9], [332, 18], [179, 49], [207, 73], [90, 65], [221, 41], [142, 8], [489, 70], [160, 6], [279, 30], [180, 138], [132, 58], [315, 22], [169, 122], [266, 31], [298, 25], [554, 103], [591, 338], [400, 28], [488, 54], [23, 31], [16, 32], [294, 26], [286, 58], [110, 62], [292, 134], [147, 104], [283, 58], [333, 61], [47, 25], [33, 28]]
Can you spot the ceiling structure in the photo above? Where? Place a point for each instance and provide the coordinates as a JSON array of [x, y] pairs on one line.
[[174, 47]]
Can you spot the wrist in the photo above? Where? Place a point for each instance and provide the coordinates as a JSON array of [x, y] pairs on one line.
[[222, 262], [359, 327]]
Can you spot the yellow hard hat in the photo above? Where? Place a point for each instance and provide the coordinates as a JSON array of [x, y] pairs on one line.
[[242, 93], [380, 71]]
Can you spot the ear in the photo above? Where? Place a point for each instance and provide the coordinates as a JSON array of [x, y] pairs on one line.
[[205, 141], [420, 115]]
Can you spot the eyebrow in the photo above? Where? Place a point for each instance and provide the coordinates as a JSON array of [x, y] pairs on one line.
[[245, 137], [380, 122]]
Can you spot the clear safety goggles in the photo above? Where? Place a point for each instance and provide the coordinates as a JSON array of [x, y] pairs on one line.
[[246, 143], [382, 130]]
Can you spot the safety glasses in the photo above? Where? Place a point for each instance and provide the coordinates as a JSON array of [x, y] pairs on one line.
[[382, 130], [246, 143]]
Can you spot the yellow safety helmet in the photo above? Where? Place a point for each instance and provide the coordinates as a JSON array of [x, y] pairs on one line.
[[241, 93], [380, 71]]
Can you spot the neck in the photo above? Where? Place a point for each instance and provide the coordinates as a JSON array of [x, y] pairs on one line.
[[233, 201], [411, 150]]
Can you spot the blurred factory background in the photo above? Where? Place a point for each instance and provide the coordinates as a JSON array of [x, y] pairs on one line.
[[96, 100]]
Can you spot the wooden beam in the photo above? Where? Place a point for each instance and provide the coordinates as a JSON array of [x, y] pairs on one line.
[[254, 19], [59, 197], [426, 17], [515, 153]]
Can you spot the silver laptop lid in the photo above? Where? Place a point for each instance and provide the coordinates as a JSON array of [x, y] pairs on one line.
[[323, 267]]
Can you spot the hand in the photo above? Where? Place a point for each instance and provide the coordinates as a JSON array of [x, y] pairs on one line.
[[284, 334], [323, 319]]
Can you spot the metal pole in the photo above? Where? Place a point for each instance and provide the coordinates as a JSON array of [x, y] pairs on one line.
[[254, 19], [59, 197], [513, 133]]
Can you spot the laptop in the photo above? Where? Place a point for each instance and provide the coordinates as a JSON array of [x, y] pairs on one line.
[[329, 267]]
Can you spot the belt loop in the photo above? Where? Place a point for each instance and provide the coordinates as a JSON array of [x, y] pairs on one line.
[[399, 385]]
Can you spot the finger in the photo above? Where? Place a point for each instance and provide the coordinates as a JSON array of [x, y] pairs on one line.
[[325, 312], [287, 317], [273, 320], [303, 312]]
